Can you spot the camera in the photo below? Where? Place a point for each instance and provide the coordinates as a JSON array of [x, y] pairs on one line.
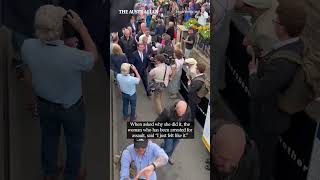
[[68, 30], [169, 60]]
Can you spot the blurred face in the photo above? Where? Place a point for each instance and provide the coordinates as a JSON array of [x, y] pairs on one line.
[[143, 26], [140, 151], [132, 20], [130, 30], [190, 31], [127, 33], [203, 9], [279, 29], [147, 33], [224, 160], [141, 47]]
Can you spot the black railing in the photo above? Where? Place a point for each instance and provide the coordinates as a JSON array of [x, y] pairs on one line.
[[203, 45]]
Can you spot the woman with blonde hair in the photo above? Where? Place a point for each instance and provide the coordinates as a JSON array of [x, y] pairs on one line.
[[117, 58]]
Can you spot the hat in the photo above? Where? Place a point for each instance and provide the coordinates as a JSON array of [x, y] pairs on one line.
[[140, 143], [191, 61], [259, 4]]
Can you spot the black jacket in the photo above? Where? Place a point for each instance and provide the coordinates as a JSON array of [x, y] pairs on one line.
[[160, 29], [140, 65], [169, 115], [194, 87], [170, 31], [128, 46], [272, 78], [116, 62]]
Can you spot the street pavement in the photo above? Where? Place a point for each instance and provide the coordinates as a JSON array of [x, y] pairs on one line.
[[190, 154]]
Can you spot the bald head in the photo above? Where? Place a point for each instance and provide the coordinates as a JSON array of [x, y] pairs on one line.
[[228, 147], [181, 108]]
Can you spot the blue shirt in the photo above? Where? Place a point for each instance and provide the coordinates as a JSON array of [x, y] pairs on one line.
[[56, 70], [153, 151], [127, 83]]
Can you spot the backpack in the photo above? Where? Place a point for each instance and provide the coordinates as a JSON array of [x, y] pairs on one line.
[[299, 93], [205, 88]]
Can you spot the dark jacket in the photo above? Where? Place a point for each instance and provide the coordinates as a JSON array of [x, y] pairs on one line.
[[134, 30], [194, 87], [149, 50], [160, 29], [169, 115], [248, 167], [128, 46], [170, 32], [272, 78], [140, 65], [116, 62]]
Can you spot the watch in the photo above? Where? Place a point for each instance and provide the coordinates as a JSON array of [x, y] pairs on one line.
[[155, 167]]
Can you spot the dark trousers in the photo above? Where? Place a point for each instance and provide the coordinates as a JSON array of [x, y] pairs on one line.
[[52, 117], [169, 145], [144, 78], [193, 107], [126, 100], [267, 146]]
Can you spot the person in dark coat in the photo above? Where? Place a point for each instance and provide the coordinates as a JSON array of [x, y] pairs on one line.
[[127, 44], [141, 61], [270, 76], [117, 58], [133, 24], [170, 30], [194, 87], [160, 29], [234, 155], [178, 112]]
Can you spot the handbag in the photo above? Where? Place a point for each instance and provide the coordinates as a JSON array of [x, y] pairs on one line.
[[157, 86]]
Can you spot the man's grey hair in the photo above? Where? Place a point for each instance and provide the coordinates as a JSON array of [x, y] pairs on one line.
[[48, 22]]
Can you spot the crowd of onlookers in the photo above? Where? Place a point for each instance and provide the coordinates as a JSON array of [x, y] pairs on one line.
[[147, 50], [280, 83]]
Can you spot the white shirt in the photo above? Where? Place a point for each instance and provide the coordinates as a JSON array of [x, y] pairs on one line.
[[157, 73], [141, 55], [142, 36], [179, 63], [202, 19], [133, 26]]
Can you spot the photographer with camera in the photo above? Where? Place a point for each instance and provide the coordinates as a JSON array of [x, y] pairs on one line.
[[159, 77], [54, 70], [127, 84]]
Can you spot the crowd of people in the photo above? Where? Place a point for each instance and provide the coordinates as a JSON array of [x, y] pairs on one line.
[[147, 50], [280, 84]]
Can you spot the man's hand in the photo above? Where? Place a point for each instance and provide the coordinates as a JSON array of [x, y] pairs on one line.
[[253, 65], [75, 21], [146, 172], [133, 68]]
